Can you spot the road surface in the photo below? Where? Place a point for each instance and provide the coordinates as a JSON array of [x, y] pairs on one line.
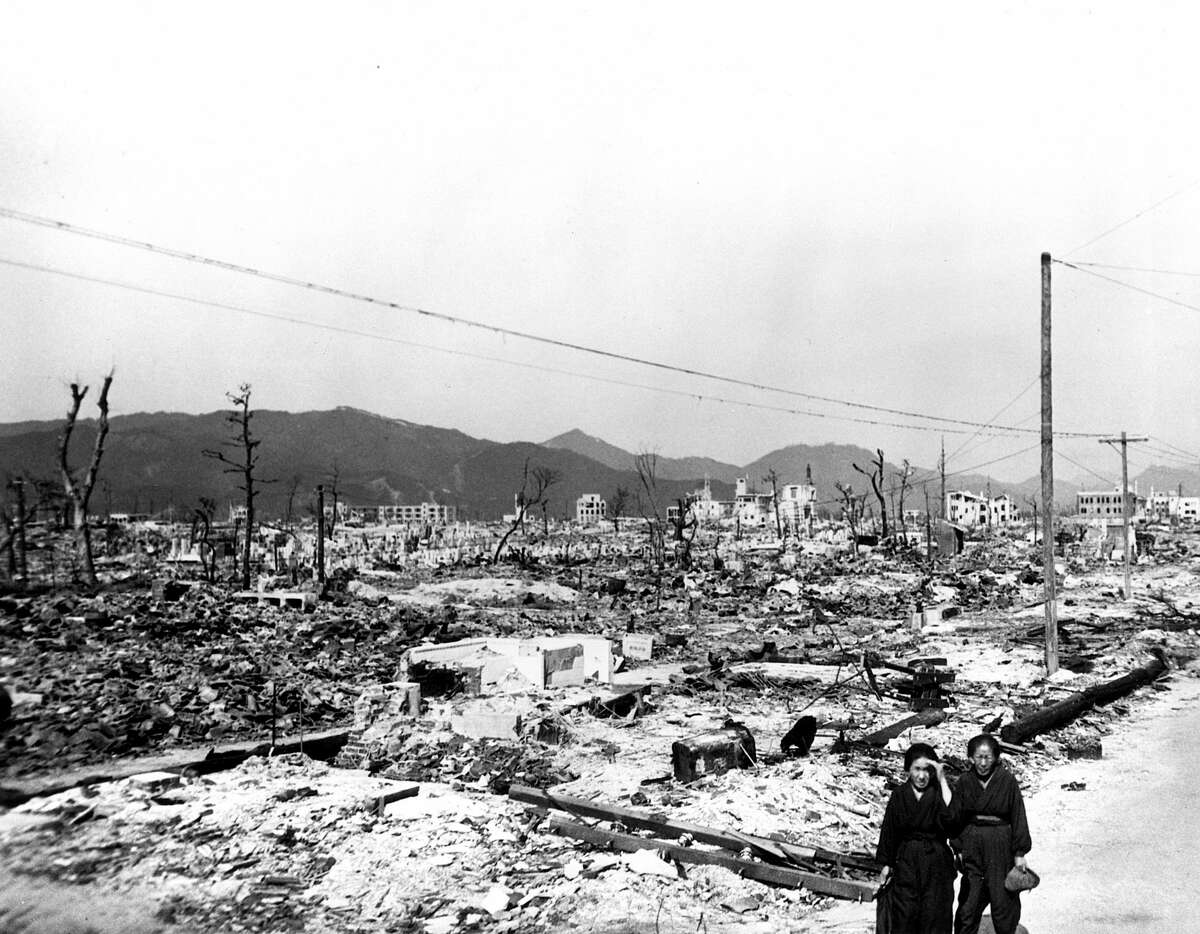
[[1121, 855]]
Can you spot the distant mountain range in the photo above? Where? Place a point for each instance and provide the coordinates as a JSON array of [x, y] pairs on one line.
[[153, 460]]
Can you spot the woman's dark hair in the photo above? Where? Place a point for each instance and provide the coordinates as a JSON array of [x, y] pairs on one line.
[[984, 739], [918, 751]]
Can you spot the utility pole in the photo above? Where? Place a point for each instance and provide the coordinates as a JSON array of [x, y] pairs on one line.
[[321, 532], [1048, 580], [1124, 441], [942, 471]]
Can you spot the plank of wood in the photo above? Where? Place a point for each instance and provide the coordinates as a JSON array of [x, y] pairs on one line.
[[761, 872], [378, 803], [660, 824]]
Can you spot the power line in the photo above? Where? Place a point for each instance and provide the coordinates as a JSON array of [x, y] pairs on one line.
[[467, 322], [986, 439], [341, 329], [1130, 220], [1163, 272], [1088, 469], [1170, 455], [956, 473], [1135, 288], [1004, 409], [1176, 447]]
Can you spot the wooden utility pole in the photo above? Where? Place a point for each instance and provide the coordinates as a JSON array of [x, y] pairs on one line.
[[1048, 480], [1125, 517], [942, 471], [321, 532]]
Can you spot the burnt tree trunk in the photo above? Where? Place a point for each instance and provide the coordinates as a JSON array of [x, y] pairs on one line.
[[79, 490]]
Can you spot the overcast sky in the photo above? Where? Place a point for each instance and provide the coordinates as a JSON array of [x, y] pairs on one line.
[[845, 200]]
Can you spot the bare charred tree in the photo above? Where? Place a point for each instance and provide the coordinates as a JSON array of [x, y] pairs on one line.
[[682, 522], [852, 511], [293, 488], [646, 464], [13, 526], [244, 463], [876, 478], [543, 479], [904, 475], [773, 478], [332, 486], [27, 498], [535, 485], [616, 510], [1033, 506], [201, 536], [79, 488]]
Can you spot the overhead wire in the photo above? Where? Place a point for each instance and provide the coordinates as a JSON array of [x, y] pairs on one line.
[[934, 474], [1130, 220], [987, 439], [1002, 410], [1169, 454], [66, 227], [1128, 285], [342, 329], [1162, 272], [1176, 447], [1088, 469]]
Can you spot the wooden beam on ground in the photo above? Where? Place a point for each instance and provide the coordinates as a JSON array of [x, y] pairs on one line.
[[377, 804], [761, 872], [923, 718], [1062, 713], [763, 847], [323, 745]]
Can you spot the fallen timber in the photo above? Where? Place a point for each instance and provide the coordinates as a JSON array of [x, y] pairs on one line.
[[324, 745], [1062, 713], [763, 847], [924, 718], [761, 872]]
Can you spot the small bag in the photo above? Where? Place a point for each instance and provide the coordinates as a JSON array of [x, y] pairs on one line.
[[883, 909], [1021, 880]]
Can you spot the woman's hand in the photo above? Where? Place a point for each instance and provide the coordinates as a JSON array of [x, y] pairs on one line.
[[1019, 862], [884, 874]]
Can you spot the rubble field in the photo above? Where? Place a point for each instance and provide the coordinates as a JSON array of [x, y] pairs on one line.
[[564, 745]]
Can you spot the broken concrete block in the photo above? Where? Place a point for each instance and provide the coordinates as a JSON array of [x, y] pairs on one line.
[[481, 721], [381, 704], [154, 781], [1085, 748], [712, 753], [597, 658], [638, 645], [440, 655], [564, 664]]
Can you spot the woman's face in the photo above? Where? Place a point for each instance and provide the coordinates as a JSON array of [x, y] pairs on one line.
[[984, 760], [920, 775]]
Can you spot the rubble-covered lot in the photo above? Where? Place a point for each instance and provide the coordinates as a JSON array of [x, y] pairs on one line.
[[417, 827]]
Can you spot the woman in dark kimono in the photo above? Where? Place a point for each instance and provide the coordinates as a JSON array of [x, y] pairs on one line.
[[913, 848], [993, 837]]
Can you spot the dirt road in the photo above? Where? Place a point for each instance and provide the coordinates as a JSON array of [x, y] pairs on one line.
[[1120, 855]]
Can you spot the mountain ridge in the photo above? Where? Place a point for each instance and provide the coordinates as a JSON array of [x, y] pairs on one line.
[[153, 459]]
